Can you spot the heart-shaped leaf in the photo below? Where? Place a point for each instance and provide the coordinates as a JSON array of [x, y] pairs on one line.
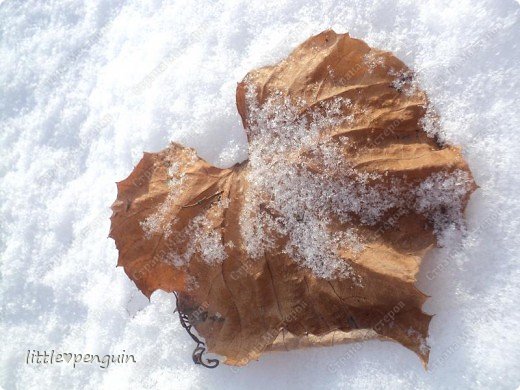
[[317, 239]]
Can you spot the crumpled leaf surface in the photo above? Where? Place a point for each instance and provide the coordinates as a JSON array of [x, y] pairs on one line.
[[317, 239]]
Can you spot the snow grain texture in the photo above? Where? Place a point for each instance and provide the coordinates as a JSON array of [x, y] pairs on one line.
[[86, 87]]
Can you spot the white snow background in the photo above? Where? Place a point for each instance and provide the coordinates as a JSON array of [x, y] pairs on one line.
[[86, 87]]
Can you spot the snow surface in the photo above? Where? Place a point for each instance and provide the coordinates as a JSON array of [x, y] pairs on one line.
[[86, 87]]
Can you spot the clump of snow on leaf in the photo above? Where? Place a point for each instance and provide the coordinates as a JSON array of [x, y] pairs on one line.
[[441, 196], [158, 221], [299, 177]]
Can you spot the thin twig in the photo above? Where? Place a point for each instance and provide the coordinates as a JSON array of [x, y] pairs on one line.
[[200, 349]]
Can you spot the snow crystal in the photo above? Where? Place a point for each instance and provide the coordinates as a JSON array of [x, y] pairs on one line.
[[423, 346], [373, 60], [205, 240], [440, 197], [160, 221], [198, 238]]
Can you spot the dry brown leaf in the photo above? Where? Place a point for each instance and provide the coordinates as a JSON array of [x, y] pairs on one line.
[[317, 239]]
